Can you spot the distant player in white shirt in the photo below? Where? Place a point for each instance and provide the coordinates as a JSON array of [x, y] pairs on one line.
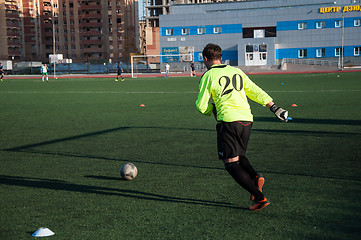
[[167, 67], [44, 72]]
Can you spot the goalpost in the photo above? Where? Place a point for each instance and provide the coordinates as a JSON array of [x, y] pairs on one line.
[[154, 63]]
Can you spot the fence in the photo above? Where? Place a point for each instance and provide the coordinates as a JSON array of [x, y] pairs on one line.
[[310, 62], [68, 68]]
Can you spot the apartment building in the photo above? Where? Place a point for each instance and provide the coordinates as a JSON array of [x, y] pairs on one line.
[[81, 30], [10, 30]]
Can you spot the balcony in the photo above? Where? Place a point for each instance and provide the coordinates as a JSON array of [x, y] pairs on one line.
[[91, 33], [93, 50], [91, 15], [12, 15], [47, 8], [11, 7], [48, 42], [47, 34], [14, 52], [92, 42], [13, 25], [13, 34], [90, 6], [14, 43], [30, 38], [29, 31], [91, 24], [46, 16]]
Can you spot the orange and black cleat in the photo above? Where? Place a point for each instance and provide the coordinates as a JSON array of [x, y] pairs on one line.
[[258, 181], [258, 205]]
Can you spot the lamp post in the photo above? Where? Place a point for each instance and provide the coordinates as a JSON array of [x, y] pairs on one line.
[[342, 38], [12, 63], [340, 57], [53, 15]]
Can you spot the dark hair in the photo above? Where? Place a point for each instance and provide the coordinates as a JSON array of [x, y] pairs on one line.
[[212, 52]]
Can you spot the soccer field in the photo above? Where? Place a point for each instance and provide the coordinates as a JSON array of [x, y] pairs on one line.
[[63, 143]]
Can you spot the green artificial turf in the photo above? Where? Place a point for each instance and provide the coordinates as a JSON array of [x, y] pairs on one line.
[[62, 144]]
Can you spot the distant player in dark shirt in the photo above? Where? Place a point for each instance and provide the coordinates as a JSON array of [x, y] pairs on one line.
[[193, 69], [119, 73], [2, 73]]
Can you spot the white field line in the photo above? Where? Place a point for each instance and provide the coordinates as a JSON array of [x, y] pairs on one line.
[[154, 92], [94, 92]]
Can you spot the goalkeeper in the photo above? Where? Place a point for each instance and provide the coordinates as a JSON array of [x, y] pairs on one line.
[[229, 88]]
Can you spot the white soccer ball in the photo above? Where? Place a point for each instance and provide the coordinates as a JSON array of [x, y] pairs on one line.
[[128, 171]]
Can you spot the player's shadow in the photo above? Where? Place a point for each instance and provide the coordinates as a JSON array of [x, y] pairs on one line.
[[59, 185], [312, 121], [33, 148]]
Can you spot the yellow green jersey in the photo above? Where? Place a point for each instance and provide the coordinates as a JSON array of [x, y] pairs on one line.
[[229, 88]]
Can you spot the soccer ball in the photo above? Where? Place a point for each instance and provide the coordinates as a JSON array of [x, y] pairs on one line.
[[128, 171]]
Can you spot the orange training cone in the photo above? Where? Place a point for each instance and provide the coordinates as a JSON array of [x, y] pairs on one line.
[[294, 105], [142, 105]]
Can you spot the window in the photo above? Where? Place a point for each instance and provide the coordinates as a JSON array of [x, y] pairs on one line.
[[302, 25], [356, 51], [320, 52], [252, 32], [201, 30], [185, 31], [263, 47], [338, 23], [338, 52], [357, 22], [302, 53], [169, 31], [320, 24], [249, 48], [217, 30], [258, 33]]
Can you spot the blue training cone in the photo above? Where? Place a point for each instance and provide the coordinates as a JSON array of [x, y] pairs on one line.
[[43, 232]]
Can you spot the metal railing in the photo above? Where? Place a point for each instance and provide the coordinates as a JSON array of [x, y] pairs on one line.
[[310, 62]]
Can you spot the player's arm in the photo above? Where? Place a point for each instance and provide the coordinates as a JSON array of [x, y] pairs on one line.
[[258, 95], [204, 95], [254, 92]]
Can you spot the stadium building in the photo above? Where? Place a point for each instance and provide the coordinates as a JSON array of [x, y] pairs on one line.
[[256, 33]]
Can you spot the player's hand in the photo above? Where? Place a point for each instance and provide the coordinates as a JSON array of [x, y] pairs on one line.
[[214, 111], [279, 112]]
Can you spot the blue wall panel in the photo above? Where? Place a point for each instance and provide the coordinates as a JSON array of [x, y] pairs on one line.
[[193, 30]]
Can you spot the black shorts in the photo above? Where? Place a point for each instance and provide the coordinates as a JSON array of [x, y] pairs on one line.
[[232, 138]]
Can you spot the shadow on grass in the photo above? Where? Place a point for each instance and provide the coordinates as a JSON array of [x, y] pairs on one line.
[[29, 148], [87, 156], [65, 186], [312, 121], [264, 119], [256, 119]]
